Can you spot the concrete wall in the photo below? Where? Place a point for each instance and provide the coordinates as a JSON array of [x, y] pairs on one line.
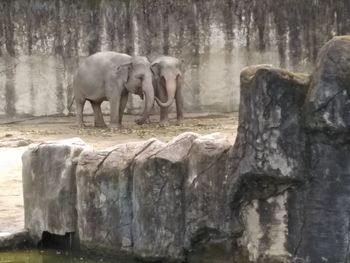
[[42, 42]]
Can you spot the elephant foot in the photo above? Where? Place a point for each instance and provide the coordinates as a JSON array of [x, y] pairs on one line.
[[179, 122], [163, 124], [114, 126], [81, 125], [100, 125], [140, 121]]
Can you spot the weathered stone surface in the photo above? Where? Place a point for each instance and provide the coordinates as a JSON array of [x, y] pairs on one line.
[[265, 231], [158, 207], [267, 160], [104, 194], [270, 137], [49, 187], [319, 211], [207, 214], [327, 102], [16, 240], [280, 194], [290, 165]]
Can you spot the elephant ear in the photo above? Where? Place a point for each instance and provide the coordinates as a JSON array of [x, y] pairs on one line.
[[155, 69], [182, 66], [123, 71]]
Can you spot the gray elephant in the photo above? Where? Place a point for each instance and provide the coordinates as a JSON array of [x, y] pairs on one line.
[[111, 76], [168, 83]]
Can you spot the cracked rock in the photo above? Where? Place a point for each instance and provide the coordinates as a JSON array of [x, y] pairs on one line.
[[267, 160], [319, 211], [158, 207], [270, 136], [104, 192], [327, 103], [49, 188], [206, 219]]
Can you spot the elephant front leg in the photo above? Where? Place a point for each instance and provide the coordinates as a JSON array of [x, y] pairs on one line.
[[164, 119], [123, 102], [116, 120], [99, 121]]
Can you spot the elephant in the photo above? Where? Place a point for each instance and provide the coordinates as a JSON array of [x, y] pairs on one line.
[[111, 76], [168, 83]]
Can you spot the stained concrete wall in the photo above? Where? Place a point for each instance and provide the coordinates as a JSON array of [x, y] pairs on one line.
[[42, 42]]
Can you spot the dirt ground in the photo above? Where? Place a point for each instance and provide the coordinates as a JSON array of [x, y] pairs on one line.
[[15, 136]]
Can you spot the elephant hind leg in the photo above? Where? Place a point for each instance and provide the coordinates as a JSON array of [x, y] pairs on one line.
[[99, 122], [79, 104]]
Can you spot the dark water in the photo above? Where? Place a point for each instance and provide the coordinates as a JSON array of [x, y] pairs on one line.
[[42, 43], [51, 256]]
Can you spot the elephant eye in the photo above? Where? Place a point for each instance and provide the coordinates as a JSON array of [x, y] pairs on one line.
[[140, 77]]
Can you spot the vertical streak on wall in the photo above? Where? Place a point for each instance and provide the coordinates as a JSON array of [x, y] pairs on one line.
[[93, 28], [229, 37], [260, 16], [279, 20], [130, 31], [144, 24], [10, 92], [71, 36], [204, 19], [29, 31], [9, 27], [194, 45], [2, 33], [294, 35], [110, 16], [165, 10], [58, 52], [314, 32]]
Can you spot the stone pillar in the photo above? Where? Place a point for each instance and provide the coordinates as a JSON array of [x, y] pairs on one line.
[[324, 204], [290, 165], [267, 160], [158, 205], [49, 188], [104, 197]]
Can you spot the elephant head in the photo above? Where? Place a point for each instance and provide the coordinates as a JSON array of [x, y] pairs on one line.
[[167, 72], [138, 80]]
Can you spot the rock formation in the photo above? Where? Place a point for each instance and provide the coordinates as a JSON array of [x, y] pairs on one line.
[[267, 160], [279, 194], [289, 164], [49, 187], [320, 208]]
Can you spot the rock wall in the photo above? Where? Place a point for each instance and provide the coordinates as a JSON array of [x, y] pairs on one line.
[[279, 194], [49, 187], [325, 198], [146, 199], [289, 162], [42, 42]]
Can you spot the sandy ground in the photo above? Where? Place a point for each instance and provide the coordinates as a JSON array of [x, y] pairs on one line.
[[15, 137]]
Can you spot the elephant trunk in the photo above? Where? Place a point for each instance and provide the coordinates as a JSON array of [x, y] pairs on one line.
[[147, 88], [170, 87]]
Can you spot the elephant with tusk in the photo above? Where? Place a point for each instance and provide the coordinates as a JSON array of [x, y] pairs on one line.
[[112, 76], [168, 83]]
